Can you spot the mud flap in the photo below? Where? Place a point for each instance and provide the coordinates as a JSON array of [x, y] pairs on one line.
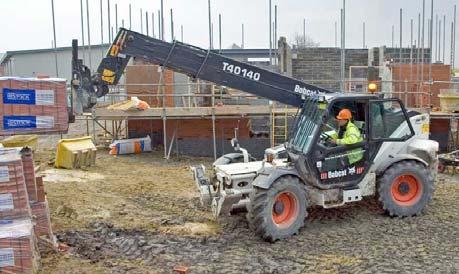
[[202, 183]]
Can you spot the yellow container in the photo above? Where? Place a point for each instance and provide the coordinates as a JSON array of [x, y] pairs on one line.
[[75, 153], [30, 141], [449, 102]]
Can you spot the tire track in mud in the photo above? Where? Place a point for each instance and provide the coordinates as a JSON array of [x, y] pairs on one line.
[[356, 238]]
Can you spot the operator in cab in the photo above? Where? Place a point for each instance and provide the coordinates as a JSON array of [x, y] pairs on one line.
[[348, 134]]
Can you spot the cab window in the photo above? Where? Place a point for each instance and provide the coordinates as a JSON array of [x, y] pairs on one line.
[[388, 121]]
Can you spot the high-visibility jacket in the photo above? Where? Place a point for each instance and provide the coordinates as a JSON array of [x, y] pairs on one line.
[[351, 136]]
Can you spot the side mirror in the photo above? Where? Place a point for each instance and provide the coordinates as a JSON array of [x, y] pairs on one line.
[[235, 144]]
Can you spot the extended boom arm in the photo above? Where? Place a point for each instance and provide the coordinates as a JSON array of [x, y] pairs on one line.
[[200, 64]]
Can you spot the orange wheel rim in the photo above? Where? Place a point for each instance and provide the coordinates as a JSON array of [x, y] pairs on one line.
[[406, 190], [285, 209]]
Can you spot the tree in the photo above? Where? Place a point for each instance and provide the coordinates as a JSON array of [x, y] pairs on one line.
[[300, 42]]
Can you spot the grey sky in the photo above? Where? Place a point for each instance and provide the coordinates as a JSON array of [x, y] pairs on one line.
[[27, 24]]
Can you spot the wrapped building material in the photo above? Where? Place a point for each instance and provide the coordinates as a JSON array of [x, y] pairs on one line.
[[14, 200], [128, 146], [31, 105], [28, 168], [75, 153], [18, 247], [30, 141]]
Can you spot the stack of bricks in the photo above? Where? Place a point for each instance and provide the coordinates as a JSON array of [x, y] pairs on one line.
[[32, 105], [14, 199], [40, 212], [18, 247], [24, 212]]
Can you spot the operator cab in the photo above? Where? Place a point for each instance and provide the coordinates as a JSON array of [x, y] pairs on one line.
[[327, 165]]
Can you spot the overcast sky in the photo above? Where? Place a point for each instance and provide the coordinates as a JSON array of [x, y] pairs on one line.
[[27, 24]]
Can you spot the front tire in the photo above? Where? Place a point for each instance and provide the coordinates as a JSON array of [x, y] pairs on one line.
[[278, 212], [405, 189]]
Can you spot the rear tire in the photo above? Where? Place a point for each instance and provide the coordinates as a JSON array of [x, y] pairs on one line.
[[405, 189], [278, 212]]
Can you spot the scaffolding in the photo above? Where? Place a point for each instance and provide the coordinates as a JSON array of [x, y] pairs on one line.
[[195, 104]]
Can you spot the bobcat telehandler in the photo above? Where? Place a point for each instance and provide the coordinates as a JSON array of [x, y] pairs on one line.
[[398, 162]]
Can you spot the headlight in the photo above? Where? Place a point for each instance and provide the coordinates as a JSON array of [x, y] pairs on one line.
[[269, 157]]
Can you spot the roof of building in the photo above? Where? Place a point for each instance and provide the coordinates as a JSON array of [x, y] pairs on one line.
[[2, 56], [16, 52], [227, 52]]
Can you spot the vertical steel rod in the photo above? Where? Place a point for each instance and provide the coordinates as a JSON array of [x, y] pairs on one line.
[[336, 34], [159, 24], [141, 21], [275, 35], [454, 39], [444, 38], [101, 28], [181, 33], [101, 24], [210, 24], [242, 36], [89, 35], [343, 46], [220, 33], [393, 36], [153, 24], [116, 17], [431, 46], [162, 20], [146, 23], [82, 28], [451, 61], [436, 38], [270, 35], [363, 46], [109, 26], [130, 17], [422, 38], [54, 35], [172, 26], [401, 52], [304, 32]]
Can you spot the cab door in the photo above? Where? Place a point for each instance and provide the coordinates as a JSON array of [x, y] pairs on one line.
[[342, 165]]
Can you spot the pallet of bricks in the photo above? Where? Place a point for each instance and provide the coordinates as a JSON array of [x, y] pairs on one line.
[[33, 105], [24, 214]]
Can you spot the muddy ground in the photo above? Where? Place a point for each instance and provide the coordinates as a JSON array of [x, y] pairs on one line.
[[141, 214]]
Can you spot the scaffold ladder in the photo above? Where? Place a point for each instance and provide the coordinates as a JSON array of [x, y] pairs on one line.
[[279, 129]]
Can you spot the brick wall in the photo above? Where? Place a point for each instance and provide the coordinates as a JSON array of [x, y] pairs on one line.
[[394, 54], [148, 74], [408, 73], [321, 66], [194, 136]]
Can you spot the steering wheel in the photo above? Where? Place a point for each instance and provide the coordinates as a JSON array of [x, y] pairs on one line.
[[325, 136]]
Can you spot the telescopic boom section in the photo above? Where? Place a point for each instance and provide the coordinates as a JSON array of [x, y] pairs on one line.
[[201, 64]]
